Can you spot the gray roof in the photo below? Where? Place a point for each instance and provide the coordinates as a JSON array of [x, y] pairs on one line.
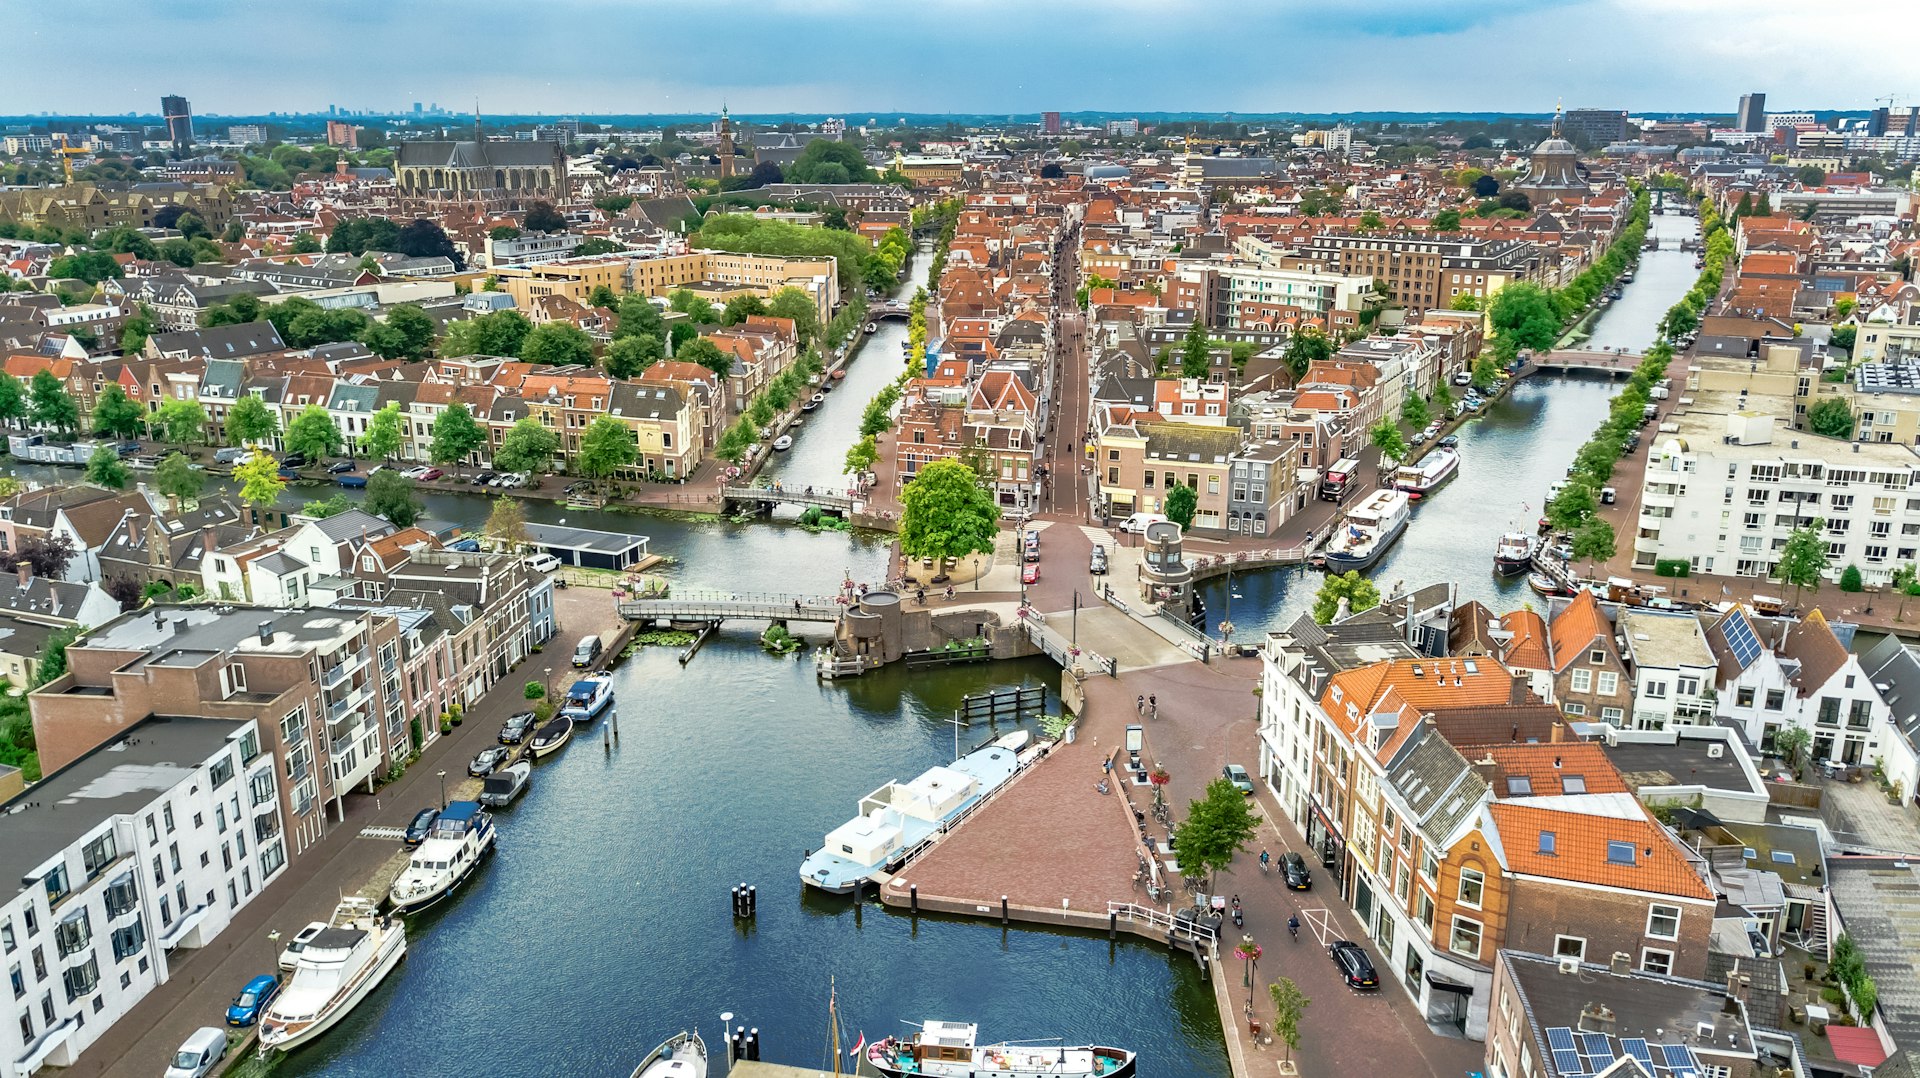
[[551, 537], [1893, 663], [1878, 899], [124, 775], [352, 523], [280, 563], [1436, 782], [220, 342]]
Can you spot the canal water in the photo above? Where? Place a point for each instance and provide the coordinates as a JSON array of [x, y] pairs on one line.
[[1663, 276]]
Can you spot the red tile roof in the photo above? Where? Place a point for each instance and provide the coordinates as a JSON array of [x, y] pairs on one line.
[[1584, 830]]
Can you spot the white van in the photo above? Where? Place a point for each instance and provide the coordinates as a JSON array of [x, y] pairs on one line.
[[201, 1051], [543, 563], [1137, 523]]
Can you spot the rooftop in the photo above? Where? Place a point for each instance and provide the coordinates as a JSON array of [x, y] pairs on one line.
[[1665, 640], [551, 536], [1682, 761], [1878, 899], [1643, 1007]]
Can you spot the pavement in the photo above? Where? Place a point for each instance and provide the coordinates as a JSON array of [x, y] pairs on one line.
[[204, 981], [1858, 813]]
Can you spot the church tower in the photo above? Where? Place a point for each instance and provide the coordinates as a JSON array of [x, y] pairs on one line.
[[726, 144]]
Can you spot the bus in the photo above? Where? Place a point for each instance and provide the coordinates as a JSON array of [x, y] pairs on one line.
[[1339, 479]]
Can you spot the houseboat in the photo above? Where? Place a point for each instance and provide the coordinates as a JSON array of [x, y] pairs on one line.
[[459, 840], [1434, 469], [1514, 553], [340, 966], [949, 1050], [1370, 528], [589, 698]]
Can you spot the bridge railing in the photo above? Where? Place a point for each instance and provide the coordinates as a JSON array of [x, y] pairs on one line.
[[1252, 559]]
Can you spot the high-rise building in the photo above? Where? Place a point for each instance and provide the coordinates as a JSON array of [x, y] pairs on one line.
[[1753, 113], [1050, 123], [1596, 127], [416, 108], [342, 134], [179, 117], [1877, 122]]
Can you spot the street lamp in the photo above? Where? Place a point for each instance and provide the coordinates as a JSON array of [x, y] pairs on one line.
[[1249, 955], [443, 789]]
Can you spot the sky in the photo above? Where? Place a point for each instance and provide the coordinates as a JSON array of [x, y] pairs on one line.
[[873, 57]]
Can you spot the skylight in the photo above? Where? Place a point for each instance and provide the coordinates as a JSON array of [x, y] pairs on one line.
[[1620, 853]]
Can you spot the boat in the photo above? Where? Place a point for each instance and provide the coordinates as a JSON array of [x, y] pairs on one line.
[[589, 698], [812, 402], [1434, 469], [873, 327], [1371, 528], [552, 737], [839, 374], [896, 819], [505, 786], [1514, 553], [950, 1050], [1544, 584], [460, 839], [338, 968], [683, 1055], [782, 443]]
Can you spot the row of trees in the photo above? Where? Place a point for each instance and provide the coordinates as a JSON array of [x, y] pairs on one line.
[[784, 391], [1525, 315], [1684, 317]]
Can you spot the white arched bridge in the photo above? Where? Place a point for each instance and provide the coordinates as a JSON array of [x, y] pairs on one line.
[[727, 607], [768, 496]]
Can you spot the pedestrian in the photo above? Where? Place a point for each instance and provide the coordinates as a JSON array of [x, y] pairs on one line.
[[1153, 707]]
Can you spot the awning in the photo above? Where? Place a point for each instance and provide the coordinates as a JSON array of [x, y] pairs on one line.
[[178, 930], [1324, 820], [1441, 984], [49, 1043]]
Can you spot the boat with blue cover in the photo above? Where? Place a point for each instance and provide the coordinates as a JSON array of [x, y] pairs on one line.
[[589, 698]]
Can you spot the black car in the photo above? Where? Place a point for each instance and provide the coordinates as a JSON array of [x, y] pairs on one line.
[[488, 759], [516, 728], [481, 479], [1293, 869], [1449, 442], [294, 460], [422, 823], [340, 467], [1355, 967]]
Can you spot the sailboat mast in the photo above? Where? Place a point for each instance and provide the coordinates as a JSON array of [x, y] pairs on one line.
[[833, 1024]]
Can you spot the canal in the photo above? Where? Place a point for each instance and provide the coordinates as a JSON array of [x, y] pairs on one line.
[[1663, 276]]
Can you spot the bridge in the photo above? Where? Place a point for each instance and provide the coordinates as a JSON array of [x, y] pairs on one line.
[[1207, 566], [729, 607], [768, 496], [887, 309], [1584, 359]]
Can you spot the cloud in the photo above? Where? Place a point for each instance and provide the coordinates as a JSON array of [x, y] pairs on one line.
[[962, 56]]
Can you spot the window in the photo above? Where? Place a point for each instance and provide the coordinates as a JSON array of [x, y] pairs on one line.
[[271, 858], [81, 979], [1569, 947], [1472, 884], [1466, 937], [56, 884], [128, 941], [1776, 699], [1582, 681], [1609, 683], [1620, 853], [1423, 908], [6, 937], [1663, 922], [98, 854], [260, 786], [1576, 710], [72, 933], [221, 772], [166, 814], [1655, 961], [1656, 690], [1548, 842], [121, 896], [1743, 698], [1429, 867], [249, 746]]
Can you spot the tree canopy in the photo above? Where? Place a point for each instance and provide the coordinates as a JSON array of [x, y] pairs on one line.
[[1359, 592], [390, 495], [260, 482], [607, 446], [1182, 501], [117, 415], [945, 513], [528, 446], [1217, 826], [455, 436], [556, 344], [386, 430], [827, 161], [313, 434], [1832, 417], [249, 420], [176, 477], [1524, 313], [500, 333], [105, 470]]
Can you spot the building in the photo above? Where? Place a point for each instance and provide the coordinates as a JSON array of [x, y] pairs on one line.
[[724, 147], [479, 175], [1425, 272], [179, 117], [147, 845], [247, 134], [1596, 127], [342, 135], [1752, 116], [1049, 123], [1553, 172], [1674, 670]]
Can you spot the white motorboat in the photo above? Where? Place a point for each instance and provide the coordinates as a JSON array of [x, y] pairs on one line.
[[552, 737], [948, 1050], [1434, 469], [1370, 528], [1514, 553], [896, 819], [505, 786], [340, 966], [683, 1055], [782, 443], [589, 698], [460, 839]]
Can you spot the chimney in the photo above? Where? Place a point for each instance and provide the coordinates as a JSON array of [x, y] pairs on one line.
[[1621, 964], [266, 632], [208, 543], [179, 625], [1596, 1018], [25, 569]]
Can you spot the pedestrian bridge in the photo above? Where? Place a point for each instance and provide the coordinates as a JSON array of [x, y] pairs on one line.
[[1584, 359], [726, 607], [831, 501], [877, 311]]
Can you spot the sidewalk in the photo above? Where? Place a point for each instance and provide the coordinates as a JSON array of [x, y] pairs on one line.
[[204, 981]]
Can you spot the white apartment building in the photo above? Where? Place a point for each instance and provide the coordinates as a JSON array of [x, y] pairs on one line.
[[159, 837], [1674, 671], [1726, 484], [1289, 704]]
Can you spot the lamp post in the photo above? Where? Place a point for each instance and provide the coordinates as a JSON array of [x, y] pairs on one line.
[[1249, 955], [443, 789]]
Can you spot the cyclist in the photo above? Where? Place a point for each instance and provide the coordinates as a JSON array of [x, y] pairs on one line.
[[1265, 860]]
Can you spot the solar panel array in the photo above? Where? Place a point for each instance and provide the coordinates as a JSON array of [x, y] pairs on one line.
[[1576, 1055], [1741, 638]]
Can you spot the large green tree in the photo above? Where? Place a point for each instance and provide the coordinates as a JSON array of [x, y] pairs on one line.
[[627, 356], [407, 333], [1524, 314], [528, 446], [1572, 507], [105, 470], [1217, 826], [945, 513], [386, 431], [793, 303], [1181, 504], [50, 405], [313, 433], [1307, 347], [390, 495], [455, 436], [13, 401], [607, 446], [117, 415], [637, 316], [250, 421], [556, 344], [827, 161], [181, 421], [1195, 352], [1386, 437], [500, 333], [703, 351], [1594, 541], [176, 477], [1359, 592], [260, 482], [1803, 558], [1830, 416]]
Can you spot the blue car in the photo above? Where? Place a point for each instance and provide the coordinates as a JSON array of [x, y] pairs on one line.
[[246, 1007]]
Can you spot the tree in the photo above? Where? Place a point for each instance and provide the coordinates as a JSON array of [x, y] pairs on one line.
[[945, 513], [528, 446], [602, 296], [1309, 346], [740, 307], [117, 415], [1810, 175], [1414, 412], [1594, 541], [260, 482], [825, 161], [1803, 558], [1842, 337], [50, 405], [313, 434], [1370, 222], [250, 421], [542, 217], [191, 226], [1906, 584], [48, 555], [1465, 301], [1446, 221], [1195, 348], [181, 421], [1571, 508], [89, 266], [13, 402], [407, 333], [862, 455], [1516, 200], [390, 495], [1485, 372], [1851, 580], [497, 334], [1385, 436], [176, 477], [1181, 503], [1442, 399], [385, 433], [639, 317], [764, 173], [455, 436], [703, 351], [697, 309], [1052, 171], [1217, 826], [1289, 1006], [330, 506], [1791, 743], [597, 245], [304, 244], [627, 356], [135, 331], [557, 344], [105, 470], [1523, 313], [1359, 592], [503, 233], [507, 524], [607, 446], [1831, 417]]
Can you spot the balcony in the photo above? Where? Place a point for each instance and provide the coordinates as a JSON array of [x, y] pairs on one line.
[[347, 704], [334, 675]]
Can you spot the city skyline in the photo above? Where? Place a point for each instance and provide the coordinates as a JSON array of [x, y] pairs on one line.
[[943, 57]]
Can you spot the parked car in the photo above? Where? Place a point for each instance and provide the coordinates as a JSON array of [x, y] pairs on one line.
[[1030, 574], [291, 953], [1293, 869], [294, 460], [488, 759], [1137, 523], [1097, 563], [415, 472], [432, 473], [340, 467], [468, 545], [253, 998], [1419, 439], [1355, 967], [1451, 441], [232, 454], [422, 823], [198, 1055], [543, 563], [480, 478], [517, 727], [1433, 428], [1238, 776]]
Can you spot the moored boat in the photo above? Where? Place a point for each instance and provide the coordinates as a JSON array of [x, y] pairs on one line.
[[340, 966], [460, 839], [1434, 469], [552, 737], [782, 443], [1544, 584], [873, 327], [504, 786], [839, 374], [1370, 528], [589, 698], [897, 818], [948, 1050], [1514, 553], [683, 1055]]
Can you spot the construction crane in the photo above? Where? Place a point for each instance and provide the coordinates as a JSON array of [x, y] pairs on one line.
[[67, 154]]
